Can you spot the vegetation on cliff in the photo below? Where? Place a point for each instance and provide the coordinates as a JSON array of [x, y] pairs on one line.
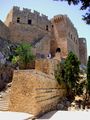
[[23, 55]]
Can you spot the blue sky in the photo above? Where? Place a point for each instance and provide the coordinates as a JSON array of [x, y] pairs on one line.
[[51, 8]]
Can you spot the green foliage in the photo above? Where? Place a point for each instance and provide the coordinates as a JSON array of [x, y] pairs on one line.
[[71, 68], [59, 73], [23, 54], [15, 59], [68, 74], [88, 75], [80, 87]]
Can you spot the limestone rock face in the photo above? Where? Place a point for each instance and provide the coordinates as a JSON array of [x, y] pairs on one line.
[[2, 84], [34, 92], [4, 31]]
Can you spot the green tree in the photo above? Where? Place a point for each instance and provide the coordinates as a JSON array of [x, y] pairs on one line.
[[88, 75], [71, 67], [59, 73], [23, 55], [85, 5]]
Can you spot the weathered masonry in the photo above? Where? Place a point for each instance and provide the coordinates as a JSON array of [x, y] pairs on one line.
[[34, 92], [45, 35]]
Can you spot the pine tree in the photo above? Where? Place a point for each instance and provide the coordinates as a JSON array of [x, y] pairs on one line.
[[71, 68], [59, 73]]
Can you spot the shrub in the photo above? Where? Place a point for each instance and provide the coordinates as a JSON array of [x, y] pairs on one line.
[[23, 55]]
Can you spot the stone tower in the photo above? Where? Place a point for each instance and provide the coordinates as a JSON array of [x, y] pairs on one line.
[[66, 35], [83, 51]]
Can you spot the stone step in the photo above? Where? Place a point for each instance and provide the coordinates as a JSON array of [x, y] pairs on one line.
[[4, 102], [3, 105]]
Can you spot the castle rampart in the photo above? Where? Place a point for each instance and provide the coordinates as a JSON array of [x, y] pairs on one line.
[[26, 16], [25, 25]]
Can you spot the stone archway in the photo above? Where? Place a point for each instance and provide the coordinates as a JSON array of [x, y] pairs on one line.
[[58, 50]]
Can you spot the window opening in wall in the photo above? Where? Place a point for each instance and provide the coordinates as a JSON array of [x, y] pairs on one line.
[[29, 21], [58, 50], [76, 41], [71, 36], [18, 20], [52, 26], [47, 27]]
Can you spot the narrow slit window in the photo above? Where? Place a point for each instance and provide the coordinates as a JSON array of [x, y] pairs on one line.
[[29, 21], [47, 27], [52, 26], [71, 36], [58, 50], [18, 20]]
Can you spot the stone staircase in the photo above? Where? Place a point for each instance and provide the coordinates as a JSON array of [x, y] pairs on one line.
[[4, 100]]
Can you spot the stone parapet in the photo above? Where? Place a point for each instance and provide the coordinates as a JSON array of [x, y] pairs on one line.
[[47, 66]]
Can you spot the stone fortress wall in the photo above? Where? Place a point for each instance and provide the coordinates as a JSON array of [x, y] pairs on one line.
[[45, 35], [27, 26], [31, 27], [73, 38], [83, 50], [25, 15]]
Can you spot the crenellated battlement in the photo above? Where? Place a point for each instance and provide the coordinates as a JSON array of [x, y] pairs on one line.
[[26, 16], [58, 18], [29, 11]]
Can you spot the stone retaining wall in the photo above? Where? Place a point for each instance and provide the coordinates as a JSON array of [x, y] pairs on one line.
[[34, 92], [46, 65]]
